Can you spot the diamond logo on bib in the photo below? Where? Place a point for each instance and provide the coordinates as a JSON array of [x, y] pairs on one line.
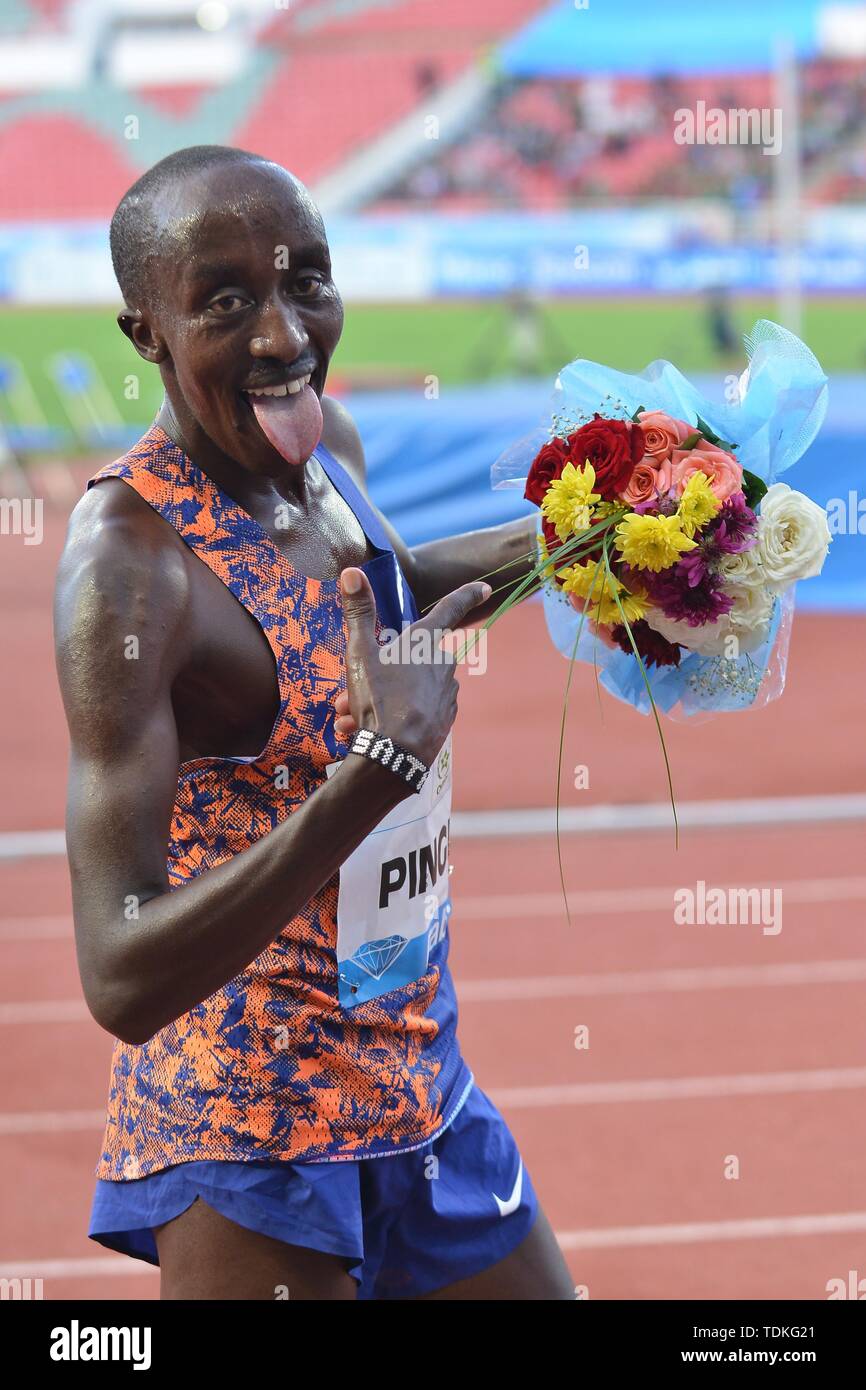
[[394, 898], [376, 956]]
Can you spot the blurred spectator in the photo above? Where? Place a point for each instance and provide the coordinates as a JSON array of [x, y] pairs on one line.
[[544, 143]]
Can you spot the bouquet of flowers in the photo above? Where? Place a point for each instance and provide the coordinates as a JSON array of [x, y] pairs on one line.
[[667, 551]]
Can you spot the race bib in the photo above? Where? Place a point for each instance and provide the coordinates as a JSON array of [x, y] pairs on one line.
[[394, 898]]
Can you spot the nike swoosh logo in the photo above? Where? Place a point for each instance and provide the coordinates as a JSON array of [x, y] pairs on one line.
[[507, 1206]]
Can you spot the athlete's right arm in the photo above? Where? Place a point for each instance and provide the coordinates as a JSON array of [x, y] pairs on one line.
[[147, 954]]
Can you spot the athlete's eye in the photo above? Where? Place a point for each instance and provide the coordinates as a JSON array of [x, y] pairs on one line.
[[225, 304], [310, 284]]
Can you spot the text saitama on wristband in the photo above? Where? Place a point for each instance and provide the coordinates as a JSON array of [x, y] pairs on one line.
[[400, 761]]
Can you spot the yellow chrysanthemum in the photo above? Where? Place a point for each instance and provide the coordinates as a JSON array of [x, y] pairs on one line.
[[591, 582], [635, 605], [569, 500], [588, 580], [651, 542], [698, 504], [606, 509], [606, 610]]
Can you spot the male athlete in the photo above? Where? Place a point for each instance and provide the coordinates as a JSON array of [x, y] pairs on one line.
[[258, 802]]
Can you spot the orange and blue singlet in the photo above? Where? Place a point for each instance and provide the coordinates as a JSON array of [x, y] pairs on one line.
[[273, 1067]]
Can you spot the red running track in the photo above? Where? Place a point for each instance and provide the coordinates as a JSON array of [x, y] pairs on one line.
[[707, 1045]]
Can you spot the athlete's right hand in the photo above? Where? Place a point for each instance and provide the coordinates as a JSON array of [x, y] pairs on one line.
[[407, 689]]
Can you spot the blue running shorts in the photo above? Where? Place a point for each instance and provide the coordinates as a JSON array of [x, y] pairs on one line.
[[408, 1224]]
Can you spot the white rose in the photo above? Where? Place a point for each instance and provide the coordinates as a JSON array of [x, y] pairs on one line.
[[743, 570], [707, 639], [748, 622], [750, 616], [793, 537]]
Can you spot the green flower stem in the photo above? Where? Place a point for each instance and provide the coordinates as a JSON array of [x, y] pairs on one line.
[[571, 662], [646, 681], [572, 550]]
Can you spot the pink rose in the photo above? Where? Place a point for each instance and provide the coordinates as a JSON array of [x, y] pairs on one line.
[[662, 433], [722, 469], [651, 476]]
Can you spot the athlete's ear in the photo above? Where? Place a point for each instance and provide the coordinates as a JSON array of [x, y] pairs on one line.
[[147, 343]]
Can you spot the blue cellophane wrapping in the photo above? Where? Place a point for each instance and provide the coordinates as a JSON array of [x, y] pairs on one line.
[[777, 407]]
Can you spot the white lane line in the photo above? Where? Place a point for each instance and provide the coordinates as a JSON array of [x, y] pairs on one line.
[[594, 1238], [543, 1097], [44, 1011], [603, 819], [816, 972], [608, 819], [678, 1088], [694, 1232], [51, 1121], [599, 901], [583, 903], [511, 989], [28, 844], [35, 928], [552, 987], [93, 1268]]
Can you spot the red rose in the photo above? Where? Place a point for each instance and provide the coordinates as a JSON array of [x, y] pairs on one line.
[[549, 532], [613, 447], [547, 465]]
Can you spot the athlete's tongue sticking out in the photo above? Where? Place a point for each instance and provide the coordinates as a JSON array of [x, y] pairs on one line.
[[293, 424]]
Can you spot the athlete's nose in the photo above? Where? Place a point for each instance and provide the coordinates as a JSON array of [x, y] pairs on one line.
[[280, 333]]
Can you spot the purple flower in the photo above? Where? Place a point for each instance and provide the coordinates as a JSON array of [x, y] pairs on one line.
[[663, 504], [689, 594], [734, 527], [695, 566]]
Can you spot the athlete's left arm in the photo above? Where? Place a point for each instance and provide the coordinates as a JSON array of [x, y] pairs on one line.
[[437, 567]]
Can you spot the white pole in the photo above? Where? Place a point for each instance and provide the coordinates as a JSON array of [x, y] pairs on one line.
[[787, 196]]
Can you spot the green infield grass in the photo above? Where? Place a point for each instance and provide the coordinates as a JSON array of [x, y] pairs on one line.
[[455, 341]]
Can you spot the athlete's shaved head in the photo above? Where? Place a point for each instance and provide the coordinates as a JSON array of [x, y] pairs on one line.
[[140, 232], [222, 257]]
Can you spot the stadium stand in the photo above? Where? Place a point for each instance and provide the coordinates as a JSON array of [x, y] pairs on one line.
[[38, 181], [286, 123], [540, 143], [367, 65], [546, 142]]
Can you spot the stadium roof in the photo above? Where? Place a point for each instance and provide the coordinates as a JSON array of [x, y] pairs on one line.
[[640, 37]]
